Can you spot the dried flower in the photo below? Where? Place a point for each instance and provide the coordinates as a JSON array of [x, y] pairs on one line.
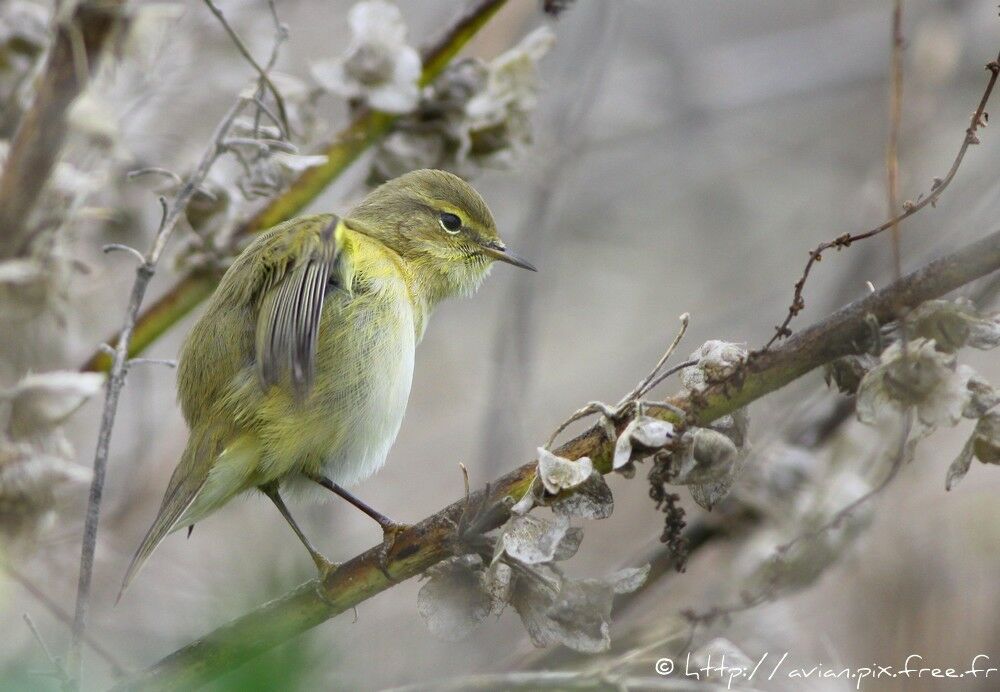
[[40, 402], [952, 324], [530, 539], [455, 600], [708, 457], [379, 68], [925, 379], [32, 483], [716, 360], [475, 115], [575, 613], [557, 473], [982, 397], [640, 438]]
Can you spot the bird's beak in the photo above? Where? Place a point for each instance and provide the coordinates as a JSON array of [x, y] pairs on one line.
[[499, 251]]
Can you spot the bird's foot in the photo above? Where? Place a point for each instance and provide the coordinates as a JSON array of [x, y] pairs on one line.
[[390, 532]]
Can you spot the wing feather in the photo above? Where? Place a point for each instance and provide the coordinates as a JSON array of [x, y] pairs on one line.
[[291, 309]]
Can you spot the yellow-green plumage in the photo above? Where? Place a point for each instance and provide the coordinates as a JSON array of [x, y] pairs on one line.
[[302, 361]]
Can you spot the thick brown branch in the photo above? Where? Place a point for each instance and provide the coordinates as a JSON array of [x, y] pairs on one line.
[[36, 145], [429, 542]]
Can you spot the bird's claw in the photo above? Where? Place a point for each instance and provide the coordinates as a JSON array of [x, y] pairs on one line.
[[390, 532]]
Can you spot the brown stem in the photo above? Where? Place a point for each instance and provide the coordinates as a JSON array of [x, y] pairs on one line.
[[36, 145], [429, 541]]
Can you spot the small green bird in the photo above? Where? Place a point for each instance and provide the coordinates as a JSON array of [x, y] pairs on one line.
[[299, 371]]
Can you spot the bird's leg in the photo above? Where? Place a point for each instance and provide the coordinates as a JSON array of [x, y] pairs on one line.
[[390, 529], [322, 564]]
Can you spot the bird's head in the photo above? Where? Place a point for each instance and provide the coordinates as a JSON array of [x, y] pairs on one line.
[[440, 226]]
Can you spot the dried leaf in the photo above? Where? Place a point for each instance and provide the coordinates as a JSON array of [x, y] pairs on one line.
[[952, 324], [959, 467], [569, 544], [532, 596], [986, 439], [982, 397], [455, 600], [708, 495], [716, 360], [641, 437], [847, 372], [557, 473], [629, 579], [590, 500], [498, 584], [708, 457], [581, 615], [531, 539]]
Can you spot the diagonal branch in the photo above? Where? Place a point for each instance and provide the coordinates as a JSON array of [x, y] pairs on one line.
[[842, 333], [367, 128], [73, 59]]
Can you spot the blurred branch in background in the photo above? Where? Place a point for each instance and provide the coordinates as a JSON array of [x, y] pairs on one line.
[[843, 333], [57, 611], [73, 59], [513, 344], [367, 128]]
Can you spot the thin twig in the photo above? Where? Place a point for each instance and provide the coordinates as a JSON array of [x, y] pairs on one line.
[[60, 672], [120, 247], [643, 387], [671, 371], [892, 145], [248, 56], [119, 368], [646, 384], [978, 121]]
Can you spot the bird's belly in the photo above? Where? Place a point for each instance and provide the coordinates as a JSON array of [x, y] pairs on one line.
[[361, 444], [346, 426]]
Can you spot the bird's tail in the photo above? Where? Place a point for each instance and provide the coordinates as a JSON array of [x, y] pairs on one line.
[[186, 482]]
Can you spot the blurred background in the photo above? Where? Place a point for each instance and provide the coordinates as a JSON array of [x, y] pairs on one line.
[[685, 158]]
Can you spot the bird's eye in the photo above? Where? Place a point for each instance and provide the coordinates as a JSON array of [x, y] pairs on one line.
[[450, 223]]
